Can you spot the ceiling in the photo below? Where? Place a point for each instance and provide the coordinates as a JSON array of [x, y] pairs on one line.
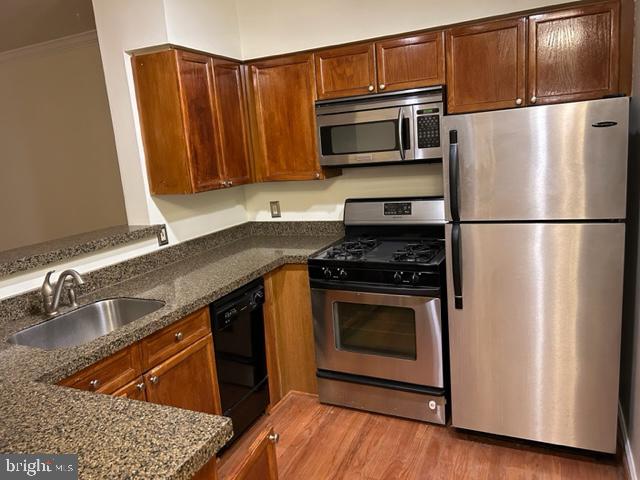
[[25, 22]]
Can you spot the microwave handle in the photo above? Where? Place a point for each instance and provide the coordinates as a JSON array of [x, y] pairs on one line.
[[400, 135]]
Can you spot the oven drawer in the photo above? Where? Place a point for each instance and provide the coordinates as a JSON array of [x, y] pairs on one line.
[[380, 335]]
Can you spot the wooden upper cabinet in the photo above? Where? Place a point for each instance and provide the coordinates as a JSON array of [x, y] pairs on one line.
[[345, 71], [282, 111], [231, 109], [410, 62], [196, 79], [574, 54], [178, 122], [187, 380], [486, 65]]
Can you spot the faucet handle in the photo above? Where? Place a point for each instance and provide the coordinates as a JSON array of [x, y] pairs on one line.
[[47, 286]]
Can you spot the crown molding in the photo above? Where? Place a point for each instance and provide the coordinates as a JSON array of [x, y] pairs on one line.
[[57, 44]]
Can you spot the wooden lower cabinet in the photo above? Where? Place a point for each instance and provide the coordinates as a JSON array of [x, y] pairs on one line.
[[187, 380], [134, 390], [208, 472], [290, 345], [259, 463]]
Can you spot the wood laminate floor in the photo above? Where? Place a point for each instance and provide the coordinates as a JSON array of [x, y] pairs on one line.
[[322, 442]]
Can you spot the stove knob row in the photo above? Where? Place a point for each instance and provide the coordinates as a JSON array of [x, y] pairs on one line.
[[328, 273], [414, 278]]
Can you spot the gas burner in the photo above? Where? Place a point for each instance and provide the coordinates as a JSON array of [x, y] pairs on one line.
[[352, 249], [421, 252]]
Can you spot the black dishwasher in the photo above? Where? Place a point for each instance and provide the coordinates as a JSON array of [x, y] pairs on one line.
[[238, 338]]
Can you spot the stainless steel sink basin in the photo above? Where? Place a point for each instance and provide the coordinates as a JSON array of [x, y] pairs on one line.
[[85, 323]]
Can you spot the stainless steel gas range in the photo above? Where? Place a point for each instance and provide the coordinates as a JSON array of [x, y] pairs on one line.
[[379, 309]]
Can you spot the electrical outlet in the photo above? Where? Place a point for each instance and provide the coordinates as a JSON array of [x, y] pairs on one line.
[[275, 209], [163, 238]]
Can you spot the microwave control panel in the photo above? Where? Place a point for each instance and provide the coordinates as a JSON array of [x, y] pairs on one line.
[[428, 124]]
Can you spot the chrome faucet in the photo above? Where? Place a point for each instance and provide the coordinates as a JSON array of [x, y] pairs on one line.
[[51, 293]]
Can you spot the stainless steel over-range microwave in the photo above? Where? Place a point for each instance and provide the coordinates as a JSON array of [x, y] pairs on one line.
[[390, 127]]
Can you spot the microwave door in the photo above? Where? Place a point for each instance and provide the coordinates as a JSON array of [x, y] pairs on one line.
[[361, 137]]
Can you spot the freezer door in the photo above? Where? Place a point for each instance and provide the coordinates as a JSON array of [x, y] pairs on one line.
[[535, 346], [552, 162]]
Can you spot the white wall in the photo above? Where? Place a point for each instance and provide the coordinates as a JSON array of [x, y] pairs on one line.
[[208, 25], [313, 200], [277, 26], [124, 25], [59, 166]]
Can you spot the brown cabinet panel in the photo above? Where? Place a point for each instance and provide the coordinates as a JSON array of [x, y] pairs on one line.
[[187, 380], [486, 65], [574, 54], [161, 122], [281, 100], [345, 71], [290, 345], [134, 390], [109, 374], [232, 125], [196, 79], [165, 343], [208, 472], [260, 461], [411, 62]]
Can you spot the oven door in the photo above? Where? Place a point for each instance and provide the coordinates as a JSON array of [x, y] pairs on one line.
[[370, 136], [387, 336]]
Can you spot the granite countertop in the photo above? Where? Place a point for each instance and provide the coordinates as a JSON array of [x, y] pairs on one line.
[[116, 437], [42, 254]]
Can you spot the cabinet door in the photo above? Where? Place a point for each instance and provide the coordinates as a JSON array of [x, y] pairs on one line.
[[291, 358], [345, 71], [230, 102], [196, 87], [134, 390], [187, 380], [410, 62], [282, 96], [260, 462], [573, 54], [486, 66]]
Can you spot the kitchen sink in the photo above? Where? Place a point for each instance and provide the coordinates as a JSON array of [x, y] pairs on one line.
[[85, 323]]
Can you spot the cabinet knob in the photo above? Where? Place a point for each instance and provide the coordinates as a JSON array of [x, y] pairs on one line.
[[95, 383], [534, 99], [154, 379], [518, 101], [274, 437], [382, 86], [317, 175], [140, 386], [371, 88], [179, 336]]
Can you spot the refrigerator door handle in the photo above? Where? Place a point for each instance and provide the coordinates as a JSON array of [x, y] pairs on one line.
[[453, 175], [456, 262]]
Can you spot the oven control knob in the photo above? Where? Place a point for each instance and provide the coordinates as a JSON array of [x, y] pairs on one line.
[[342, 273], [415, 278], [397, 277], [327, 273]]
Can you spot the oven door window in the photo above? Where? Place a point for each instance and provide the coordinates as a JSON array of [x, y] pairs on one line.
[[367, 137], [375, 329]]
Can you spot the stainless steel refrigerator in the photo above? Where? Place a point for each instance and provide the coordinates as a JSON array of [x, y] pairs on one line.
[[536, 201]]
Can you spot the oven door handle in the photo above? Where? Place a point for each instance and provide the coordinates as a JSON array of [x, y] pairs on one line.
[[328, 285], [400, 132]]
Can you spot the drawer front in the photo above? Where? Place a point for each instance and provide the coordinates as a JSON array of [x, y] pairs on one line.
[[170, 340], [135, 390], [109, 374]]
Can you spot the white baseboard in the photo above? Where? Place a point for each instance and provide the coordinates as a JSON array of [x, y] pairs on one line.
[[630, 464]]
